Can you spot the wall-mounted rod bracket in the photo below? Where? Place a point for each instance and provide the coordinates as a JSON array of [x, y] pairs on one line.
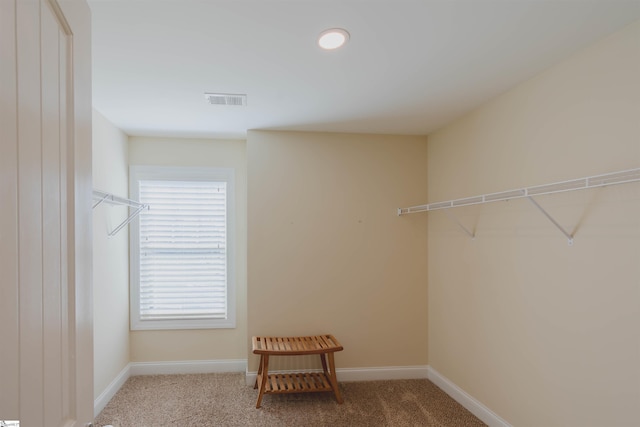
[[550, 218], [465, 229], [101, 196], [128, 220], [101, 199]]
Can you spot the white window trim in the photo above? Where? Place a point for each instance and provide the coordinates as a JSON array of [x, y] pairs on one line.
[[137, 173]]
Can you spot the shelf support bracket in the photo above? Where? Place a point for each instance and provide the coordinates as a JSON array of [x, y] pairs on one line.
[[102, 199], [128, 220], [465, 229], [550, 218]]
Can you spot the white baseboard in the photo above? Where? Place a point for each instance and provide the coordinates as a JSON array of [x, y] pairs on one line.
[[101, 401], [362, 374], [188, 367], [382, 373], [485, 414]]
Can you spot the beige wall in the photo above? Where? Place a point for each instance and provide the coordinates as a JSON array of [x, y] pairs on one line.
[[543, 333], [209, 344], [110, 256], [327, 251]]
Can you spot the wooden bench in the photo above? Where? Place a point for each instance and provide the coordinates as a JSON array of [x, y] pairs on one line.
[[324, 345]]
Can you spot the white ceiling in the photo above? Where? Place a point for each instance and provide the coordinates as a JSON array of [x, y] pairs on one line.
[[409, 68]]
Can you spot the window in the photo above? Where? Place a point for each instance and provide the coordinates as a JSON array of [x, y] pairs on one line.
[[182, 248]]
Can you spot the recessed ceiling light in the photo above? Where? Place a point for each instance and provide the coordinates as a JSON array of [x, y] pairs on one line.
[[333, 38]]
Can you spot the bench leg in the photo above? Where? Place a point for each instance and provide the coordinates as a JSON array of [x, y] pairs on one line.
[[261, 380], [332, 375], [323, 359], [255, 385]]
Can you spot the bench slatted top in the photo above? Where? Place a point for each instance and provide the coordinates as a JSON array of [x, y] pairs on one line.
[[317, 344]]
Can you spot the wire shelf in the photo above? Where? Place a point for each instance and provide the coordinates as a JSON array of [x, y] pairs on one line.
[[613, 178]]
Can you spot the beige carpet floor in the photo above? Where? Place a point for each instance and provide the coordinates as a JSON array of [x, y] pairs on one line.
[[225, 400]]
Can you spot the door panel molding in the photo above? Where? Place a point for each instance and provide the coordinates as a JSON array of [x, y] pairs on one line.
[[46, 327]]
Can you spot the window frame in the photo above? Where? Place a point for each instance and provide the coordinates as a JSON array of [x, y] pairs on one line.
[[177, 173]]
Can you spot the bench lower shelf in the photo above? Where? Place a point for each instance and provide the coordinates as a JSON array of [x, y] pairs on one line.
[[297, 383]]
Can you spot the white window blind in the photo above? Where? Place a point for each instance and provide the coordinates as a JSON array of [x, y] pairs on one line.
[[183, 250]]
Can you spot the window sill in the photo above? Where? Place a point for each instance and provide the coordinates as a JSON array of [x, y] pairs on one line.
[[159, 325]]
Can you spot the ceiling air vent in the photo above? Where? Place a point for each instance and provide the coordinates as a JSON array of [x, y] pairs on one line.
[[226, 99]]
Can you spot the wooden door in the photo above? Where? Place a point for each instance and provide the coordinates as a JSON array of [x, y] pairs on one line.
[[46, 347]]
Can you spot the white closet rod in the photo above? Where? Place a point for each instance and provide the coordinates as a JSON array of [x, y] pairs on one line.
[[104, 197], [613, 178]]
